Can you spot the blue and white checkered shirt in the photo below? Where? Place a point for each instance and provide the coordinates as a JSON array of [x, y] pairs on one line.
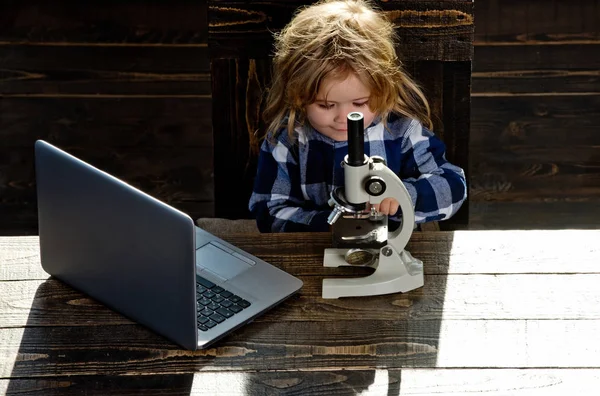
[[295, 177]]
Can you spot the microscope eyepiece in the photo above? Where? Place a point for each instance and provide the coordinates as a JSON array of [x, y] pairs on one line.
[[356, 139]]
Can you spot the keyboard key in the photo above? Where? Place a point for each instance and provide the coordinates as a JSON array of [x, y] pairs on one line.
[[206, 312], [217, 318], [243, 303], [205, 282], [215, 304], [226, 303], [204, 301], [224, 312], [235, 308], [210, 324]]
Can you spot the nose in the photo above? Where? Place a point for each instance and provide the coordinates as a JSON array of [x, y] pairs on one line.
[[341, 114]]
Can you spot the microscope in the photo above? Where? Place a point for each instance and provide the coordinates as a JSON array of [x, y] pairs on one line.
[[360, 233]]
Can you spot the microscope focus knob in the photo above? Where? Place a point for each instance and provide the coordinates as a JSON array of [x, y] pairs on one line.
[[377, 159], [375, 186]]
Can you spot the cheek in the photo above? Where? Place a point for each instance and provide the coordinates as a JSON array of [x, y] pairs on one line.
[[369, 117], [316, 116]]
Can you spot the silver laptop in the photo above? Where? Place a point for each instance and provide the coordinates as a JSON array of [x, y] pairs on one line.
[[145, 259]]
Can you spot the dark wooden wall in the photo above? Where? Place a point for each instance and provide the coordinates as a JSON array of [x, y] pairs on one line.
[[535, 136], [124, 85]]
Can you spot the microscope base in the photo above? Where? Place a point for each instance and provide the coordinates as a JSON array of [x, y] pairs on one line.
[[394, 272]]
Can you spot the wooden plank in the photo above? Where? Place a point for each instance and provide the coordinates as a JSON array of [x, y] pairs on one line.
[[538, 122], [497, 180], [515, 69], [84, 69], [353, 344], [524, 146], [397, 382], [503, 21], [167, 173], [447, 297], [458, 252], [106, 121], [559, 215], [439, 30], [119, 23], [21, 218]]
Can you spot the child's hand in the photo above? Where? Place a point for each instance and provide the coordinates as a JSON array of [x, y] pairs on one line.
[[389, 206]]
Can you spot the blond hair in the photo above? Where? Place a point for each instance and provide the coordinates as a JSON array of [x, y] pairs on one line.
[[333, 39]]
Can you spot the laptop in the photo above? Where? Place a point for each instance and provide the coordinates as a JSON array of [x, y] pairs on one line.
[[144, 258]]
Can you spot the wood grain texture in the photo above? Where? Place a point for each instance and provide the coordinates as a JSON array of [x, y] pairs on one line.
[[166, 173], [447, 297], [528, 21], [535, 149], [124, 86], [453, 253], [534, 156], [536, 69], [135, 350], [397, 382], [104, 70], [135, 22], [98, 121], [441, 30], [550, 215]]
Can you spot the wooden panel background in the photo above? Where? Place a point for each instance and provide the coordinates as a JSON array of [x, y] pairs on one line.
[[123, 85], [535, 146]]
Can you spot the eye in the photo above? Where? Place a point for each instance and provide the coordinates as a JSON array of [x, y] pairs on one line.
[[324, 106], [362, 104]]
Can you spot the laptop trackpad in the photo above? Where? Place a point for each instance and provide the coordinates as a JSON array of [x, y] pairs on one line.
[[220, 262]]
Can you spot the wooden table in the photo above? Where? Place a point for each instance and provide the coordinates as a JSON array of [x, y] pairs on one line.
[[501, 312]]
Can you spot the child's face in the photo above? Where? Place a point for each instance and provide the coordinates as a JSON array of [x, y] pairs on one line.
[[343, 97]]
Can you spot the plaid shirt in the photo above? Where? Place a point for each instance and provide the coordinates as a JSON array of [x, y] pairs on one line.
[[296, 176]]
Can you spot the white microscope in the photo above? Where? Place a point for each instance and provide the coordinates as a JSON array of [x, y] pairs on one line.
[[360, 236]]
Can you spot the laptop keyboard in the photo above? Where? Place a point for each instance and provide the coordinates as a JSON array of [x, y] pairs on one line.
[[215, 304]]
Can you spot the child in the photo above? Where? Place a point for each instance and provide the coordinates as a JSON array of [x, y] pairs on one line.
[[333, 58]]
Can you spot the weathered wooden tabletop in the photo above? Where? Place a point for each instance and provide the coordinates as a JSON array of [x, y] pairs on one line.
[[501, 313]]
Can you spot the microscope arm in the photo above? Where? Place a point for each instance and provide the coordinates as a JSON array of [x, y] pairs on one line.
[[395, 189]]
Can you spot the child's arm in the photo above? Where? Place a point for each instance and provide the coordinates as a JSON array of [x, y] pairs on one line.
[[277, 201], [437, 187]]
